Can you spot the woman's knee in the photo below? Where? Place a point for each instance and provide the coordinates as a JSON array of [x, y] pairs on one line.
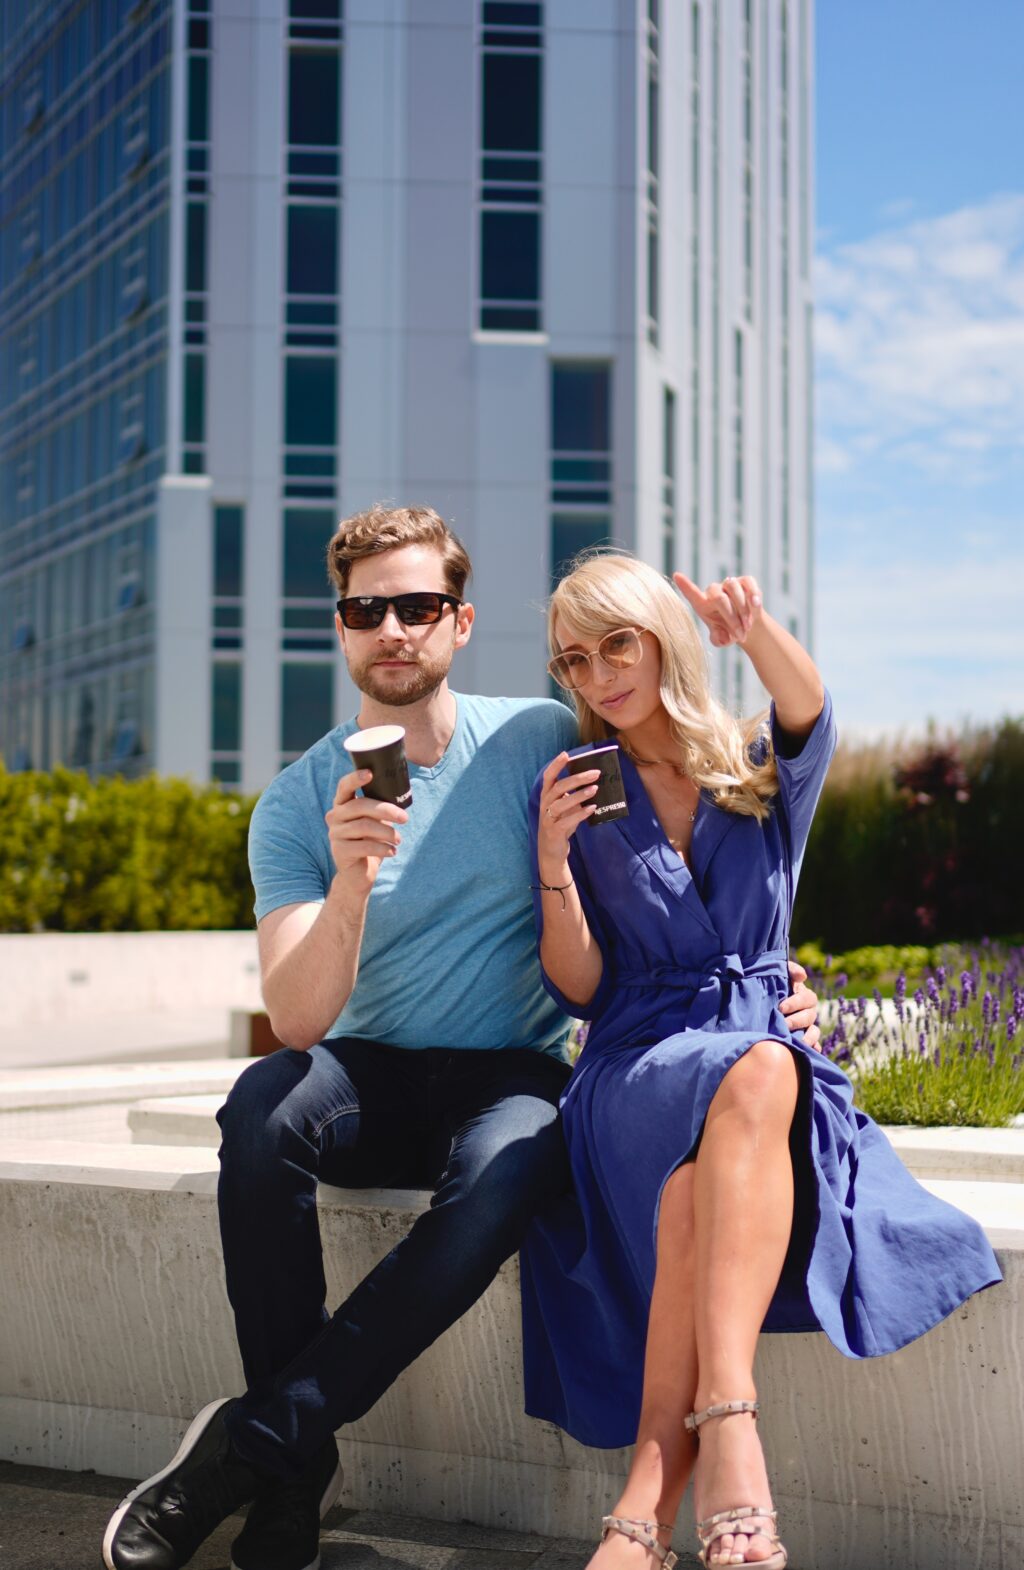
[[765, 1077]]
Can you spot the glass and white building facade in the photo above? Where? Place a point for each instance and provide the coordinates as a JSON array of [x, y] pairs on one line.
[[545, 267]]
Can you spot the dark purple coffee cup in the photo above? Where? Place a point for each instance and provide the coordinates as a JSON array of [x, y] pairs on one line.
[[382, 749], [610, 798]]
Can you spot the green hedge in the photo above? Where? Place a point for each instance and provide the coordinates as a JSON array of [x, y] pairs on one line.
[[911, 846], [114, 855]]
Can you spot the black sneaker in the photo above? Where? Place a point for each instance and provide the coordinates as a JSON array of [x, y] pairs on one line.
[[163, 1521], [283, 1528]]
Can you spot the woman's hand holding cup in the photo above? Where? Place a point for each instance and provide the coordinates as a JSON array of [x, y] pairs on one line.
[[564, 805]]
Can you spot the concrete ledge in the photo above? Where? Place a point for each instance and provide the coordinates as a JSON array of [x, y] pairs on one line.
[[964, 1154], [117, 1329], [92, 1102]]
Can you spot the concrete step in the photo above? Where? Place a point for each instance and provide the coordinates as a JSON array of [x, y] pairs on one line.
[[964, 1154], [967, 1154], [176, 1120], [92, 1102]]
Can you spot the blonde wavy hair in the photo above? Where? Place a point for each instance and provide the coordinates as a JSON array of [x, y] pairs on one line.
[[604, 591]]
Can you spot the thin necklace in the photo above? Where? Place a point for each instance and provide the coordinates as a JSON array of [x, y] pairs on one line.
[[646, 763]]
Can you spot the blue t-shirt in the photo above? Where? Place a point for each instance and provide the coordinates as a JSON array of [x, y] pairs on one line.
[[448, 957]]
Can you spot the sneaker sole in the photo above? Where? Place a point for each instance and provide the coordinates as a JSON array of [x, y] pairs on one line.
[[191, 1436], [328, 1499]]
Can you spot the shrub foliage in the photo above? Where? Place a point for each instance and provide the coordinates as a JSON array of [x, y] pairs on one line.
[[116, 855], [909, 846]]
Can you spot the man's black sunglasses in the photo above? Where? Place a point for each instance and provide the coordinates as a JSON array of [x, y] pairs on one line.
[[413, 610]]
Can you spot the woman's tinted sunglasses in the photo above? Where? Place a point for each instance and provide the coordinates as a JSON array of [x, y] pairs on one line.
[[363, 611]]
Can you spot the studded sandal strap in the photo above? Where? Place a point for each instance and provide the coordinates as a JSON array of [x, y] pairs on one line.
[[723, 1409], [725, 1521], [641, 1532]]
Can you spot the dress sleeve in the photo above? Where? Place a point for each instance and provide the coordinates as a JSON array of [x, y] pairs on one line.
[[802, 764], [590, 910], [282, 864]]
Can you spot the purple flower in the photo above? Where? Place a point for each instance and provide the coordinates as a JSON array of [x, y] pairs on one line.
[[1011, 1027], [940, 975], [922, 1044], [986, 1007]]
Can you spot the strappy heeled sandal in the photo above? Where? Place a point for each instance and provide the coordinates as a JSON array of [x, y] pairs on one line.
[[641, 1532], [724, 1522]]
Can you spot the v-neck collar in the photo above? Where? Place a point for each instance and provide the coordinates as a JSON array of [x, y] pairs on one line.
[[644, 832]]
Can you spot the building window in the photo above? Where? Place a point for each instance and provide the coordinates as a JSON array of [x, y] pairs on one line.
[[314, 98], [307, 608], [581, 460], [197, 186], [310, 407], [228, 577], [195, 400], [653, 158], [510, 183], [312, 249], [226, 713], [307, 705], [311, 308], [668, 483]]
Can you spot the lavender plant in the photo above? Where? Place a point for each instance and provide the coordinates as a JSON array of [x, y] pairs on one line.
[[949, 1053]]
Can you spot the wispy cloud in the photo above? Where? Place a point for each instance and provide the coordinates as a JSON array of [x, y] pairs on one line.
[[920, 341], [904, 640], [920, 462]]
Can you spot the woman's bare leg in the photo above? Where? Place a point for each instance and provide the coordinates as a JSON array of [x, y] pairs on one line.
[[743, 1208], [723, 1231], [664, 1454]]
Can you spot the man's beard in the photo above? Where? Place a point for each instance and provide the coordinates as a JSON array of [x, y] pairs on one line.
[[424, 675]]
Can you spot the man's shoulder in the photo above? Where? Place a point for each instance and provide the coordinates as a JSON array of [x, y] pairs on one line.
[[545, 718]]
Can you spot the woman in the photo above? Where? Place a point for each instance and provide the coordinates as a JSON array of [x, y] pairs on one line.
[[724, 1181]]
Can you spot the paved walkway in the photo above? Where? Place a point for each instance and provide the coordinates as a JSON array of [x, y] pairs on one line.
[[55, 1521]]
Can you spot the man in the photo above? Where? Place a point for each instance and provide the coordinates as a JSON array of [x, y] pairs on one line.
[[398, 960]]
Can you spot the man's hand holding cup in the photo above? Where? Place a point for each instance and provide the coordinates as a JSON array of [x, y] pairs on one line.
[[362, 832]]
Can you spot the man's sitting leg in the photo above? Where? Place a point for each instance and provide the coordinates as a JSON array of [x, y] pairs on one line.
[[491, 1122], [485, 1125], [286, 1113]]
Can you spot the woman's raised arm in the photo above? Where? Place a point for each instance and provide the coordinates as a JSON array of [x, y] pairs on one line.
[[733, 612]]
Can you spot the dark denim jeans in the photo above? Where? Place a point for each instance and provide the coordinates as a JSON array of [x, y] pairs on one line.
[[481, 1129]]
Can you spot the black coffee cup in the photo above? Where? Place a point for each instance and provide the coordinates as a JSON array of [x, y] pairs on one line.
[[610, 798], [382, 749]]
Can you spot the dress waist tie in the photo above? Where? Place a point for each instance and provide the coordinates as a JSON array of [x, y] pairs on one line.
[[711, 985]]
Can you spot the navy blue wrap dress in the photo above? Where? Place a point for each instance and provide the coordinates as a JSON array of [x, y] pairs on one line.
[[694, 971]]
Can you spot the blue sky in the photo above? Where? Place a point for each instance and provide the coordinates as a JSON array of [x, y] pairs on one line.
[[919, 289]]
